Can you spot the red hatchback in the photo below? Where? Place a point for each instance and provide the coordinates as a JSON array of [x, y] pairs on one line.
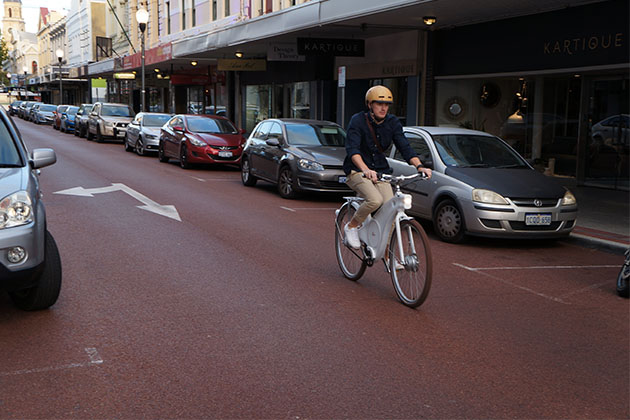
[[200, 139]]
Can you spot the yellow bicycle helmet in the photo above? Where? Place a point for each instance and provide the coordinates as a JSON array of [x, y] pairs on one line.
[[379, 94]]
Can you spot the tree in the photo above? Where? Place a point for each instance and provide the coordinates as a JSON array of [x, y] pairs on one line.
[[4, 55]]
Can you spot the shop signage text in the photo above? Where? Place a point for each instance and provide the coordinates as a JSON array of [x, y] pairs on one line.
[[591, 43], [331, 47], [241, 65], [152, 56], [284, 52]]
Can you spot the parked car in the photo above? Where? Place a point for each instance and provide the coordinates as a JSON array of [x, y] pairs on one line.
[[297, 155], [20, 109], [143, 133], [80, 121], [57, 120], [108, 120], [45, 114], [30, 266], [67, 119], [200, 139], [32, 111], [482, 186], [24, 113], [13, 108]]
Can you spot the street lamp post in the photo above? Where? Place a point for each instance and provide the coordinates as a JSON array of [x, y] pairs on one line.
[[60, 57], [142, 16], [25, 70]]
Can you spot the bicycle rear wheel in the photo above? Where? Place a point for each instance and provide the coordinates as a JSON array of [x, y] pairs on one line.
[[412, 279], [350, 260]]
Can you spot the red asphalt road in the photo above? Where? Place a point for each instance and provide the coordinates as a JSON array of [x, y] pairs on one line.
[[240, 311]]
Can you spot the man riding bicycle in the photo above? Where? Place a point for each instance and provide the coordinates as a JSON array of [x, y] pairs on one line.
[[369, 134]]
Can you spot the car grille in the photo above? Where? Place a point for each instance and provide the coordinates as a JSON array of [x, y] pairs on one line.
[[522, 226], [529, 202], [332, 185], [224, 147], [333, 167], [123, 125], [227, 159]]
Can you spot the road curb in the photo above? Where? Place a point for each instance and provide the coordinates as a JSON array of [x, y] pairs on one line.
[[597, 243]]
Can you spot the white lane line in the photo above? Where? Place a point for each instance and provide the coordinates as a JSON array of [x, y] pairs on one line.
[[212, 179], [540, 267], [92, 353], [295, 209], [518, 286], [586, 289]]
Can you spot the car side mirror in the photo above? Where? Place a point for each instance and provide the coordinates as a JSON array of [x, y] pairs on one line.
[[241, 131], [42, 157], [273, 141], [178, 129]]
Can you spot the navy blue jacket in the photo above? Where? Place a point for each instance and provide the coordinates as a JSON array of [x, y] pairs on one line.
[[359, 140]]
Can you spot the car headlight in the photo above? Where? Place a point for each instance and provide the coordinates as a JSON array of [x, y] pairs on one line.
[[569, 199], [16, 210], [197, 142], [310, 165], [151, 136], [488, 197]]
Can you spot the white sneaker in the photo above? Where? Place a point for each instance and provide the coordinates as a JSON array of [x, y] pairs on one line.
[[352, 237]]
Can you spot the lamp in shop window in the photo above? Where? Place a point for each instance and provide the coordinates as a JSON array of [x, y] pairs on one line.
[[521, 104], [142, 17], [429, 20], [238, 54]]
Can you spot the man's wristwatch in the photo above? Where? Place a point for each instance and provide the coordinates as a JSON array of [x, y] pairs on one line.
[[419, 166]]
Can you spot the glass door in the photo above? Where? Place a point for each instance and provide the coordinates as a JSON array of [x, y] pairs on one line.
[[609, 133]]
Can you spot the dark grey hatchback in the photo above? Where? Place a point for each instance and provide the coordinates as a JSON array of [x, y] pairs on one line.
[[297, 155], [30, 267]]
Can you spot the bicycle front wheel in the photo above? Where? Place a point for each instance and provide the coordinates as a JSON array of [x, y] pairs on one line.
[[350, 260], [411, 271]]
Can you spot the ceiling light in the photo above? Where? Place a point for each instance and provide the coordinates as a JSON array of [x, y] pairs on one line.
[[156, 70], [193, 63], [239, 54], [429, 20]]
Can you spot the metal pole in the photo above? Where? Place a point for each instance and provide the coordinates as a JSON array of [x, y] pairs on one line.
[[142, 94], [60, 85]]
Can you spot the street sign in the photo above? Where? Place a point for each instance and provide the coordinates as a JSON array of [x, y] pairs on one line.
[[341, 76]]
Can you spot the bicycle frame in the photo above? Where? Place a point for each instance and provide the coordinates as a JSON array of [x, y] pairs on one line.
[[374, 232]]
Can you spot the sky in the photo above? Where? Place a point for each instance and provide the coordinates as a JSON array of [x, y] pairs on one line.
[[30, 11]]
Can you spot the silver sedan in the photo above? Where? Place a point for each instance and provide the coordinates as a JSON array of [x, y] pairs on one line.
[[483, 187], [143, 133]]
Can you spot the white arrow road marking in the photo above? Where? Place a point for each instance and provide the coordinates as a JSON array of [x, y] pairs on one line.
[[95, 359], [149, 205]]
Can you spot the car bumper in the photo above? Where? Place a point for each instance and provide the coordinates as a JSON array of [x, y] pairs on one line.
[[115, 132], [510, 221], [328, 180], [15, 276], [211, 155]]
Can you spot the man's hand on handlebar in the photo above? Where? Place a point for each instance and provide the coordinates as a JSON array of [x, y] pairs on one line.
[[426, 171]]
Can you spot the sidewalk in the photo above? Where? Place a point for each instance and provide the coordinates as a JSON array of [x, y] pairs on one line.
[[603, 216]]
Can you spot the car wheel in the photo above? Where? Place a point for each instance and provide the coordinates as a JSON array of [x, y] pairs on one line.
[[45, 293], [139, 147], [286, 184], [448, 222], [161, 156], [76, 131], [183, 157], [246, 175], [89, 134], [61, 128], [99, 136]]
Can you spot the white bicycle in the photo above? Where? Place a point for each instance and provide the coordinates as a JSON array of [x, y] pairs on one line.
[[407, 255]]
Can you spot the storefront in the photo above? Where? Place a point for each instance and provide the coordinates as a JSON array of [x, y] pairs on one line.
[[287, 89], [391, 61], [558, 94], [201, 92]]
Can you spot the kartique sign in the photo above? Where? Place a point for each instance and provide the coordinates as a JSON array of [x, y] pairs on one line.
[[331, 47]]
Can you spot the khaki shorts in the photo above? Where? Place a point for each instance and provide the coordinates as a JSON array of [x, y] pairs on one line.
[[373, 194]]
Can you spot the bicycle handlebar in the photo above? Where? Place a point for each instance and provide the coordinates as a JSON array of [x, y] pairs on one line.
[[401, 178]]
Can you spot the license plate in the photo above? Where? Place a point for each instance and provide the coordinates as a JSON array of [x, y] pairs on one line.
[[223, 153], [538, 219], [342, 179]]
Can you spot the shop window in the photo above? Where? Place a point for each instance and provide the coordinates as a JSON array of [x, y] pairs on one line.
[[194, 99]]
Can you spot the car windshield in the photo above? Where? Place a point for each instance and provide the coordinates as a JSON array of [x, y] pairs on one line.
[[155, 120], [72, 110], [48, 108], [9, 155], [471, 151], [210, 125], [116, 111], [315, 135]]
